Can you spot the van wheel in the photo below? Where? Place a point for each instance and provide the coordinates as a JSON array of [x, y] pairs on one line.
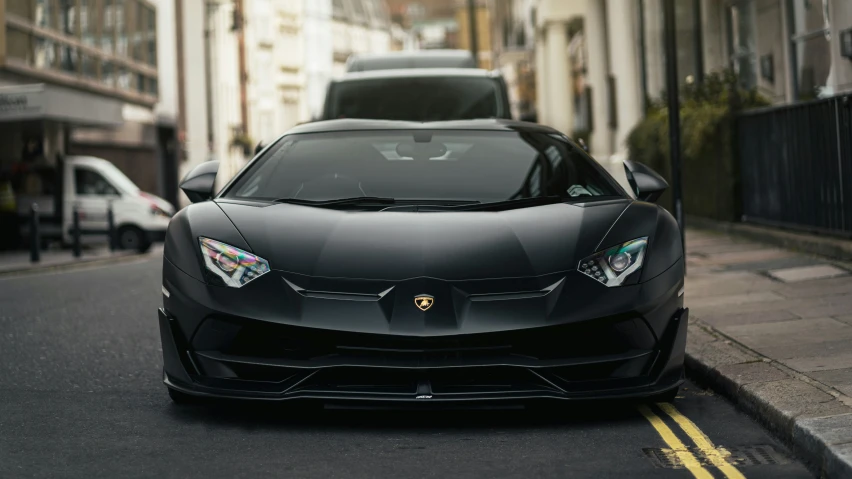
[[133, 238]]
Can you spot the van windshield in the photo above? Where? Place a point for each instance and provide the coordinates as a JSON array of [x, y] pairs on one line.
[[118, 178], [419, 99]]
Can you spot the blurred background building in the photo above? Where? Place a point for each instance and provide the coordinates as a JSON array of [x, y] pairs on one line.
[[82, 77], [787, 50]]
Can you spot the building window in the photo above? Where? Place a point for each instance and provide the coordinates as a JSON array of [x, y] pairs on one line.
[[88, 21], [811, 49], [742, 42], [152, 37], [48, 34], [43, 13]]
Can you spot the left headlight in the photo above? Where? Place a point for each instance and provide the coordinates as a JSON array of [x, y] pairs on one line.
[[612, 266], [235, 267]]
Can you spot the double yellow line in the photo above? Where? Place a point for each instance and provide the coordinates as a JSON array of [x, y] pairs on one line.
[[699, 438]]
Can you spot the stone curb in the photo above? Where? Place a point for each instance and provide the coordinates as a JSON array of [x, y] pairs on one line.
[[813, 419], [830, 247], [114, 258]]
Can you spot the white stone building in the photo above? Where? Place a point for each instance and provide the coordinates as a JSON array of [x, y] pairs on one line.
[[788, 50]]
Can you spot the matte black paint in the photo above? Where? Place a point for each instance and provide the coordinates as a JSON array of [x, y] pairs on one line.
[[357, 273]]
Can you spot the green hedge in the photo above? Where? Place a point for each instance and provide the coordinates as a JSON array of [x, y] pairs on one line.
[[710, 169]]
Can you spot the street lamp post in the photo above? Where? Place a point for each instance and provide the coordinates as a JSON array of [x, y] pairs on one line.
[[474, 40], [672, 84]]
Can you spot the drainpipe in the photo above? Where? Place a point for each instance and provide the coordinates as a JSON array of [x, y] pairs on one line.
[[180, 80], [209, 10], [239, 24]]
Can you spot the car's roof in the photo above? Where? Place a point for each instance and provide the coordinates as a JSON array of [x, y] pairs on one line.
[[435, 52], [486, 124], [418, 73], [86, 160], [409, 59]]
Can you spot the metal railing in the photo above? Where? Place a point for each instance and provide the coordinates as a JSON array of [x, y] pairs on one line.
[[796, 166]]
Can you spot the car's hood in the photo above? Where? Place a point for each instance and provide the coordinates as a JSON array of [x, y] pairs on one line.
[[393, 246]]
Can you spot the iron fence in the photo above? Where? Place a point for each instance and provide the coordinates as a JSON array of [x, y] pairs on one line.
[[796, 165]]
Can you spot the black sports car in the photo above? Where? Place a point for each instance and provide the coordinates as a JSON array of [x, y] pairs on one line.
[[482, 260]]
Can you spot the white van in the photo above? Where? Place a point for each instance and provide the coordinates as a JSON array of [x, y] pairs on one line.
[[91, 185]]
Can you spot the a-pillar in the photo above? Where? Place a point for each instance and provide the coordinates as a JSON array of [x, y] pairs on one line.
[[598, 68], [624, 65]]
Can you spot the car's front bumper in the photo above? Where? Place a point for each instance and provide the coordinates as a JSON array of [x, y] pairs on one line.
[[635, 353], [633, 374]]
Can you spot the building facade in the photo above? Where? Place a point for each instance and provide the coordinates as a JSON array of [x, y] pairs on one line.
[[82, 77], [513, 51], [787, 50]]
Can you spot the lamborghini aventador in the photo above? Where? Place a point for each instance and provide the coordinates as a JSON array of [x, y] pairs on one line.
[[478, 261]]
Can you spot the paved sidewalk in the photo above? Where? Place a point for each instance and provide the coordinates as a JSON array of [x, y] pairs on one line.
[[14, 262], [772, 330]]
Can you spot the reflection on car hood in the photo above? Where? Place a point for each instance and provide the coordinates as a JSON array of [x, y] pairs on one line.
[[390, 245]]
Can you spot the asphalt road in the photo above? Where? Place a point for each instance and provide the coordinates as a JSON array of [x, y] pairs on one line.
[[81, 396]]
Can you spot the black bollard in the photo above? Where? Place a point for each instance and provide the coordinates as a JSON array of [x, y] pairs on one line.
[[35, 236], [75, 233], [111, 228]]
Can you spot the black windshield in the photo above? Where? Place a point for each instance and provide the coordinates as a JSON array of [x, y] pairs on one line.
[[416, 99], [464, 166]]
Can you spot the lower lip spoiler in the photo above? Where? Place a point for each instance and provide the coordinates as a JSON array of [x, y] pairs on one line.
[[668, 362]]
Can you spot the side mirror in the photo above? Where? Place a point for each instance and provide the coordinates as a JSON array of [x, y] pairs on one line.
[[646, 183], [198, 183]]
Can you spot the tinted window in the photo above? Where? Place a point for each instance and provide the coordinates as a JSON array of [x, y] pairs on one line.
[[88, 182], [416, 99], [483, 166]]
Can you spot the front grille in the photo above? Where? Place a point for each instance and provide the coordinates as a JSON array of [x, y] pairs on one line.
[[549, 360], [453, 381], [275, 341]]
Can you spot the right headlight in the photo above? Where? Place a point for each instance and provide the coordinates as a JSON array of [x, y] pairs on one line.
[[233, 266], [612, 266]]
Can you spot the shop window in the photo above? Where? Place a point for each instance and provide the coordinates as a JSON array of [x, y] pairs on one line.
[[810, 25], [88, 182]]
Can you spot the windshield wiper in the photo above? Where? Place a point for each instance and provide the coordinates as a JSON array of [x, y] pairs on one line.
[[529, 201], [357, 200], [515, 203], [375, 200]]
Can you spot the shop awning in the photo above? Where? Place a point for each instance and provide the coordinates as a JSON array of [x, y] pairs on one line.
[[47, 102]]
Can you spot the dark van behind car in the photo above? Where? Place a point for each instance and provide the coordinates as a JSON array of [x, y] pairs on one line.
[[405, 59], [418, 94]]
